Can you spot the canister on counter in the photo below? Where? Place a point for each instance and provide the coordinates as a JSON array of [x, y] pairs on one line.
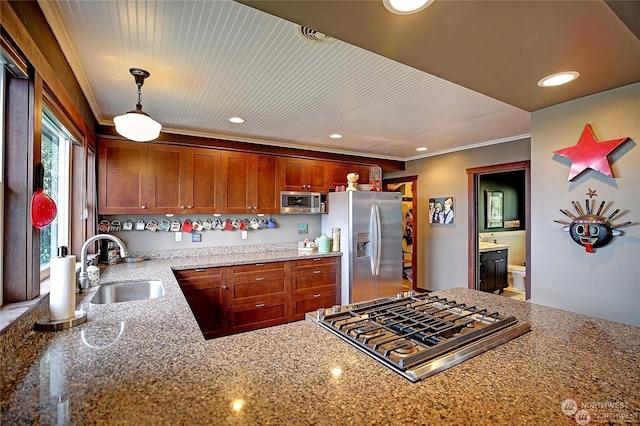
[[335, 239], [324, 243]]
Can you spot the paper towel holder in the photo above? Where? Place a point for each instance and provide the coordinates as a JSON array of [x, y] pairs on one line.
[[45, 324]]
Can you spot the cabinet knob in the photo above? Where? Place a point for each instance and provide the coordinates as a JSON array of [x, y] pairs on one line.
[[143, 207], [260, 305], [315, 296], [189, 207], [182, 207], [224, 287], [260, 279]]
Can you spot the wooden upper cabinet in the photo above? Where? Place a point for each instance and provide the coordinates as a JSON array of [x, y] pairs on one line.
[[236, 180], [167, 167], [148, 178], [122, 177], [339, 172], [203, 181], [266, 184], [304, 175], [250, 183]]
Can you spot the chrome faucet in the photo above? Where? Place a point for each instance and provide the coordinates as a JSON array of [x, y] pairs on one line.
[[83, 280]]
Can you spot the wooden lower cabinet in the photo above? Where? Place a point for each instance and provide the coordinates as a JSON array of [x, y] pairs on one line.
[[315, 284], [235, 299], [206, 292], [493, 271]]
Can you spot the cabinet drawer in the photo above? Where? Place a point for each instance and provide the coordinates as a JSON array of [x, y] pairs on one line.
[[258, 268], [258, 315], [314, 281], [257, 289], [309, 303], [315, 262], [200, 275]]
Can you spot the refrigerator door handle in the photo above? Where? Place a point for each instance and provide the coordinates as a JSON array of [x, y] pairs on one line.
[[377, 243], [372, 232]]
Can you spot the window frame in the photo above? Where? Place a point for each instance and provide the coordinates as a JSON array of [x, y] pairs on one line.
[[65, 173]]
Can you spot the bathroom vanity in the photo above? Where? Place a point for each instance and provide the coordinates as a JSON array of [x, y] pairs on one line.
[[492, 272]]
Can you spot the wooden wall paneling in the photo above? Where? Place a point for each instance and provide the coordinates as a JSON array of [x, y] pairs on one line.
[[19, 235]]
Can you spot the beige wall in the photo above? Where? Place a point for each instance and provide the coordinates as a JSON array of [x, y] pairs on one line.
[[605, 283], [442, 249]]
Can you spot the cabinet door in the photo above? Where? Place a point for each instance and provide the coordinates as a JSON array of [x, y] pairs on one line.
[[317, 176], [203, 181], [501, 278], [208, 304], [304, 175], [338, 175], [339, 172], [122, 177], [293, 174], [206, 292], [167, 179], [265, 188], [236, 180]]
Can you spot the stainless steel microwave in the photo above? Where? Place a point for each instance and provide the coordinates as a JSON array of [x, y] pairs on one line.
[[299, 202]]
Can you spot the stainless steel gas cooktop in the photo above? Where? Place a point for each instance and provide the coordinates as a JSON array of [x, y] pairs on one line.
[[419, 335]]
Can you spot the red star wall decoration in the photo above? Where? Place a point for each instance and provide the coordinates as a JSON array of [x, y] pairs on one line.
[[588, 153]]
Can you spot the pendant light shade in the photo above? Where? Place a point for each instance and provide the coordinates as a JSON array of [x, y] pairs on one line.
[[137, 125]]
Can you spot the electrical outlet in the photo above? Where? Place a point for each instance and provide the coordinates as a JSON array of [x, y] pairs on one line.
[[178, 236], [244, 235]]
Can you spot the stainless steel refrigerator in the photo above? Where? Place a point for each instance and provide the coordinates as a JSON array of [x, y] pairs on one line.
[[371, 242]]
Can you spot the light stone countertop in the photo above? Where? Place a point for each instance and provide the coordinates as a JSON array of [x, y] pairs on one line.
[[146, 362]]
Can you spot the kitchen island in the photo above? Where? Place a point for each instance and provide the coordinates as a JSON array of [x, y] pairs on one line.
[[146, 362]]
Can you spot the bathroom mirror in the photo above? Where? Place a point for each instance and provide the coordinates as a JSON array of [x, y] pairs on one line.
[[494, 208]]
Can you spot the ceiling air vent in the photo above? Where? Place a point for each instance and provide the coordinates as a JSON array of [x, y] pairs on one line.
[[313, 36]]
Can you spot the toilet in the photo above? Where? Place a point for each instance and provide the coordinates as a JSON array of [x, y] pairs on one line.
[[517, 273]]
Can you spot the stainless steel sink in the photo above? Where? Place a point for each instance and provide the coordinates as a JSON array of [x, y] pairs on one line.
[[128, 291]]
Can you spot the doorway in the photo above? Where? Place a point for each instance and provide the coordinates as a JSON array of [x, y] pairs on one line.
[[474, 176], [408, 186]]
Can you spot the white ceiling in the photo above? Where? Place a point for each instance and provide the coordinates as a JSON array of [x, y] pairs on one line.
[[211, 60]]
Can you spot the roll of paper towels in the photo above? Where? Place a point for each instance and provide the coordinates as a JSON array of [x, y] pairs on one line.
[[62, 293]]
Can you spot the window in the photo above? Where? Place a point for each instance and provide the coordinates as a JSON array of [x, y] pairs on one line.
[[56, 159]]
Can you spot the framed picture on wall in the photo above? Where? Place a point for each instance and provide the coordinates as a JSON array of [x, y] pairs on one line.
[[441, 211], [495, 208]]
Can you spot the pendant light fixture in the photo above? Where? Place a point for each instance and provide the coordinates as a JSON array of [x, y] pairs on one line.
[[137, 125]]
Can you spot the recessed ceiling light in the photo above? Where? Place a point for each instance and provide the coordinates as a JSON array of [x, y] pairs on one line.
[[335, 136], [558, 79], [422, 148], [236, 120], [405, 7]]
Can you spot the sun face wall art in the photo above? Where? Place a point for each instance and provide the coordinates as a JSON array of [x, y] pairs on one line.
[[588, 229]]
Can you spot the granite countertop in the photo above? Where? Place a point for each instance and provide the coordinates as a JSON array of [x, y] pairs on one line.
[[146, 362]]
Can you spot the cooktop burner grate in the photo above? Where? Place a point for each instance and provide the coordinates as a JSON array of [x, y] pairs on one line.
[[420, 335]]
